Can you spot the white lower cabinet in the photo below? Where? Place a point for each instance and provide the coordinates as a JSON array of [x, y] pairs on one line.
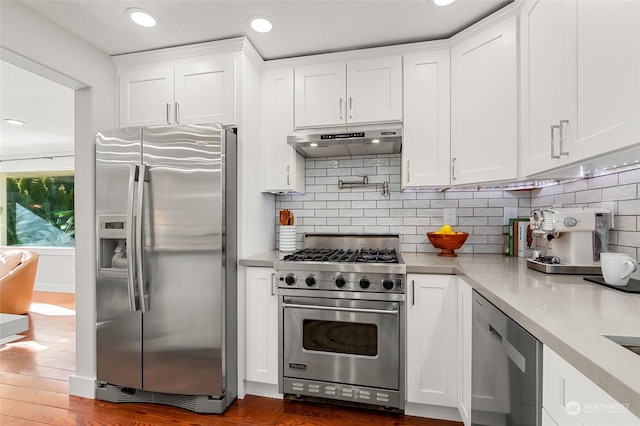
[[570, 398], [465, 323], [262, 326], [432, 370]]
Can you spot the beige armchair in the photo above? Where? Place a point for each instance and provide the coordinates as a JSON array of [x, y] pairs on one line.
[[16, 288]]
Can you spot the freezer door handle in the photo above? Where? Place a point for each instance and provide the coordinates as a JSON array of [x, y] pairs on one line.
[[133, 171], [138, 238]]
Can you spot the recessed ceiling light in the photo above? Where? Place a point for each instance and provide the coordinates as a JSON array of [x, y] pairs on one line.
[[260, 24], [443, 2], [141, 17], [14, 121]]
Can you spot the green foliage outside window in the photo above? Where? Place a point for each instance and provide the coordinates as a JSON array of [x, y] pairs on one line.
[[40, 211]]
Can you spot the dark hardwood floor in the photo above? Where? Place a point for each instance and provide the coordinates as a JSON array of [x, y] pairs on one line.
[[34, 386]]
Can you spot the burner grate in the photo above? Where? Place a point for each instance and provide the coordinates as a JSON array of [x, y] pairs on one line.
[[344, 256]]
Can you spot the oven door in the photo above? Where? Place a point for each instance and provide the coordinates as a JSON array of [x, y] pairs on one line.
[[354, 342]]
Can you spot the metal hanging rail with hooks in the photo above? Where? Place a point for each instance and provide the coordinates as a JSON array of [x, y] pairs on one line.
[[365, 182]]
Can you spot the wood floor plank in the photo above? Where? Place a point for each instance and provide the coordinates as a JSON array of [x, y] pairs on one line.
[[34, 382], [35, 370], [43, 397]]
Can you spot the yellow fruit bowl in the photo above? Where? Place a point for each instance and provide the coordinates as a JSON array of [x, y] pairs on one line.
[[447, 243]]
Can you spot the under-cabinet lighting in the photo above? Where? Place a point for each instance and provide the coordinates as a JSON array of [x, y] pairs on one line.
[[375, 141], [141, 17], [14, 121], [313, 144], [443, 2]]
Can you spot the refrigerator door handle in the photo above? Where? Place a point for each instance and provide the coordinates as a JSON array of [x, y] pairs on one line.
[[138, 238], [130, 238]]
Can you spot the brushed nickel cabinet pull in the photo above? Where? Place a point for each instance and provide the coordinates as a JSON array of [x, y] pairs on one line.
[[553, 140], [168, 113], [453, 168], [561, 131], [177, 113]]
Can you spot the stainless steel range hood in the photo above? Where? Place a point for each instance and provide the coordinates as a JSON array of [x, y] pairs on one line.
[[349, 140]]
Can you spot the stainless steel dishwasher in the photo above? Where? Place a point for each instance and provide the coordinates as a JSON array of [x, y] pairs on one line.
[[506, 375]]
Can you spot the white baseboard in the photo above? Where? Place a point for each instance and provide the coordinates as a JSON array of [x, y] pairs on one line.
[[84, 387], [432, 411], [263, 389], [57, 288]]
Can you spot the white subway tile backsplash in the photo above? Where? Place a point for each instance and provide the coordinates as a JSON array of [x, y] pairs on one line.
[[603, 181], [351, 213], [623, 192], [629, 207], [503, 202], [564, 199], [591, 196], [631, 176], [339, 221], [474, 203], [327, 209]]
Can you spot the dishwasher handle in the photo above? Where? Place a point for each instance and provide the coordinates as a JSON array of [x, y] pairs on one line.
[[513, 354]]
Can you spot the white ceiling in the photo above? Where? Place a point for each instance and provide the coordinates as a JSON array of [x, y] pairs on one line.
[[45, 107], [301, 27]]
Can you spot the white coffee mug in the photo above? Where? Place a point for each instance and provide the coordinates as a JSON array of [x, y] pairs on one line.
[[617, 268]]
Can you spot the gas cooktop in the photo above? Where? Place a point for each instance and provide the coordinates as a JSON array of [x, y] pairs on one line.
[[344, 255]]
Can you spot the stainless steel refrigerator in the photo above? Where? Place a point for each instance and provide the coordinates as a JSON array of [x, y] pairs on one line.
[[166, 266]]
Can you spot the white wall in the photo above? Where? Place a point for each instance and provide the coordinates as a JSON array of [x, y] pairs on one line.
[[56, 270], [52, 51]]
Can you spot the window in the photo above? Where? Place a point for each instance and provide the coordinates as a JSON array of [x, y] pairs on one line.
[[40, 211]]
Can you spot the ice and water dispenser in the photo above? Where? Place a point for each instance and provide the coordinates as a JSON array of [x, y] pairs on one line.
[[112, 246]]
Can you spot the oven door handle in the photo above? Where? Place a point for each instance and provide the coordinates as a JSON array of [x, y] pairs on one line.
[[337, 308]]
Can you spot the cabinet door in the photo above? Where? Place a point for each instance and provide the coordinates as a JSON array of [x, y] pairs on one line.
[[432, 340], [320, 94], [374, 90], [205, 91], [283, 167], [484, 98], [465, 323], [262, 326], [548, 84], [570, 398], [426, 142], [146, 96], [608, 83]]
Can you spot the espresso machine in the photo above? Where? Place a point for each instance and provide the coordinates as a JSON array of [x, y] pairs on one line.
[[573, 239]]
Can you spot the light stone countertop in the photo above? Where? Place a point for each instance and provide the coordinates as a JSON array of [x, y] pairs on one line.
[[564, 312]]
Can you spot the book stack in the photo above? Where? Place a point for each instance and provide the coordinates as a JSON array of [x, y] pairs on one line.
[[520, 237]]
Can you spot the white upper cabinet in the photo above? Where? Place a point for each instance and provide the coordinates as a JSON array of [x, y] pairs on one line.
[[608, 76], [427, 135], [146, 96], [484, 106], [358, 91], [283, 167], [580, 85], [197, 91]]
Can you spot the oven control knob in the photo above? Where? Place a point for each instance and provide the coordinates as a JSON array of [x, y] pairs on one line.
[[311, 281], [364, 282], [341, 281], [290, 279], [388, 283]]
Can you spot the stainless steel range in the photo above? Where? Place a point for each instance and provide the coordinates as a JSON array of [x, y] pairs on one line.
[[342, 320]]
